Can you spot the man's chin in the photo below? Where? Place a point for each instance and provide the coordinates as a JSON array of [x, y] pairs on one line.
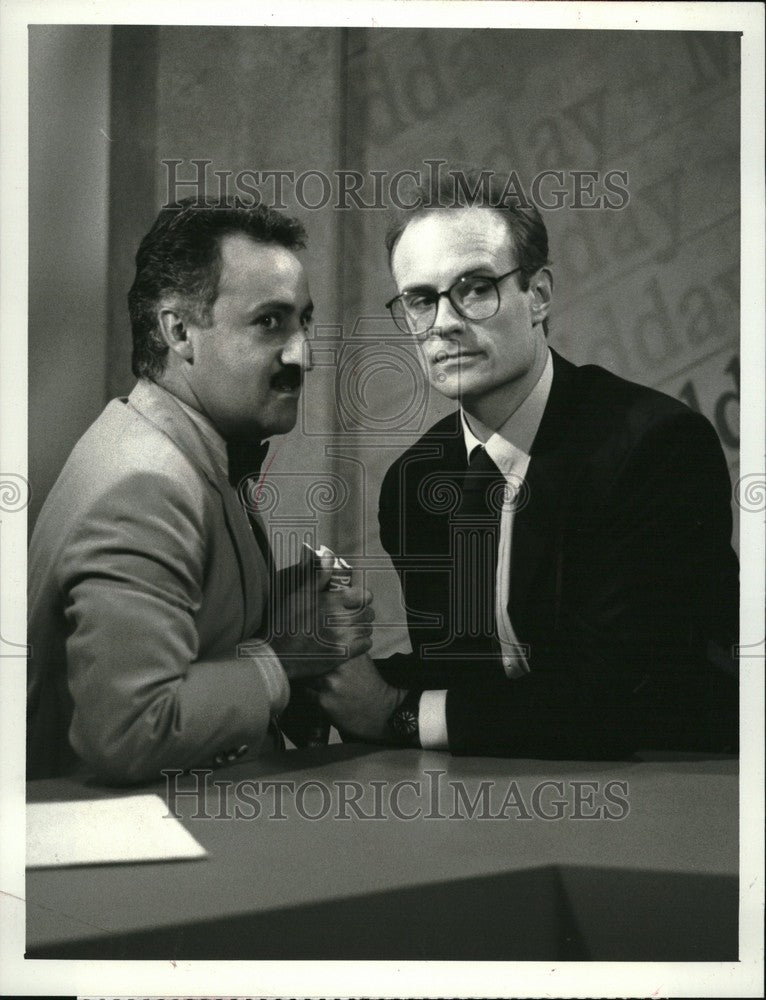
[[265, 427], [452, 386], [284, 419]]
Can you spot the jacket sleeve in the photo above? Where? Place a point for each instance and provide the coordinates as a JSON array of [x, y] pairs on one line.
[[648, 610], [131, 577]]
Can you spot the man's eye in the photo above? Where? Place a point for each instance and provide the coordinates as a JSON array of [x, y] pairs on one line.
[[418, 302], [475, 288], [269, 321]]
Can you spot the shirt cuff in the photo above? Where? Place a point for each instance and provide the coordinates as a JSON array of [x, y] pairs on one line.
[[432, 720], [272, 671]]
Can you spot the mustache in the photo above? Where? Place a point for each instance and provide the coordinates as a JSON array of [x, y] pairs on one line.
[[288, 377]]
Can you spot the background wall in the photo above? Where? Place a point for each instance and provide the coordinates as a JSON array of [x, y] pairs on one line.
[[650, 291], [68, 185]]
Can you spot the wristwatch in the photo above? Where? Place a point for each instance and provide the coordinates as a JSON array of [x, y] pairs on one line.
[[403, 721]]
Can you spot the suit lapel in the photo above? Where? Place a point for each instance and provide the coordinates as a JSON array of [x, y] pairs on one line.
[[552, 470], [448, 465], [159, 407], [550, 476]]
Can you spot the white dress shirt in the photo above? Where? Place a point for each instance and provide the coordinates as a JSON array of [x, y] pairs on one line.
[[260, 653], [508, 447]]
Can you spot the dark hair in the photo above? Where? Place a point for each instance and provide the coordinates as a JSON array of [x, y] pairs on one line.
[[457, 188], [181, 256]]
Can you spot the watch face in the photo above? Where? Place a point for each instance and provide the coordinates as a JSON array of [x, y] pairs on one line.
[[405, 723]]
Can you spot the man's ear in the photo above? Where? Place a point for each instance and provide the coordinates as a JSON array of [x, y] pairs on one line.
[[541, 286], [174, 333]]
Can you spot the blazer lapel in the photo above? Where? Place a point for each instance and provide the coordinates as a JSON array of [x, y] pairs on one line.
[[550, 475], [159, 407], [448, 465]]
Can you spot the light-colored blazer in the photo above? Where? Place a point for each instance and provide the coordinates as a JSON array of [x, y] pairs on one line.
[[144, 575]]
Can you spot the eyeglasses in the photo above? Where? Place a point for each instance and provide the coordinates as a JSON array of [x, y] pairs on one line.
[[474, 296]]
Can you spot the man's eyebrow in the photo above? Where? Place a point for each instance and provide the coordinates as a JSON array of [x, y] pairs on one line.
[[281, 305], [478, 269]]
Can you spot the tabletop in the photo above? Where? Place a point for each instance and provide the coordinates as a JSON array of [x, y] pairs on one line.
[[359, 852]]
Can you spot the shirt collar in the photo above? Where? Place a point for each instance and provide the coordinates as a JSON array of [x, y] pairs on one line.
[[513, 440], [210, 434]]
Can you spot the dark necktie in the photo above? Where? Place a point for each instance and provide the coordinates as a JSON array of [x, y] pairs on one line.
[[476, 539]]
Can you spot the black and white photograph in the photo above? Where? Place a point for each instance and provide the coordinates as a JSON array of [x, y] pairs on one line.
[[382, 499]]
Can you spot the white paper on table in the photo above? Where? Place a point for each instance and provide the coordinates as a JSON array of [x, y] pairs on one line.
[[106, 831]]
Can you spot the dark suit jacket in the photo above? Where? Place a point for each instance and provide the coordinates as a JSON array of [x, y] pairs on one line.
[[144, 575], [623, 580]]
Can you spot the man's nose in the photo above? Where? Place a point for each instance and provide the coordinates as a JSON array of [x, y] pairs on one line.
[[447, 319], [297, 350]]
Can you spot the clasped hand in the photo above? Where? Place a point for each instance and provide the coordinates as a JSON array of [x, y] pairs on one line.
[[313, 629]]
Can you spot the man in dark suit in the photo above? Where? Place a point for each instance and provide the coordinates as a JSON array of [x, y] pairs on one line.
[[563, 540], [156, 641]]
